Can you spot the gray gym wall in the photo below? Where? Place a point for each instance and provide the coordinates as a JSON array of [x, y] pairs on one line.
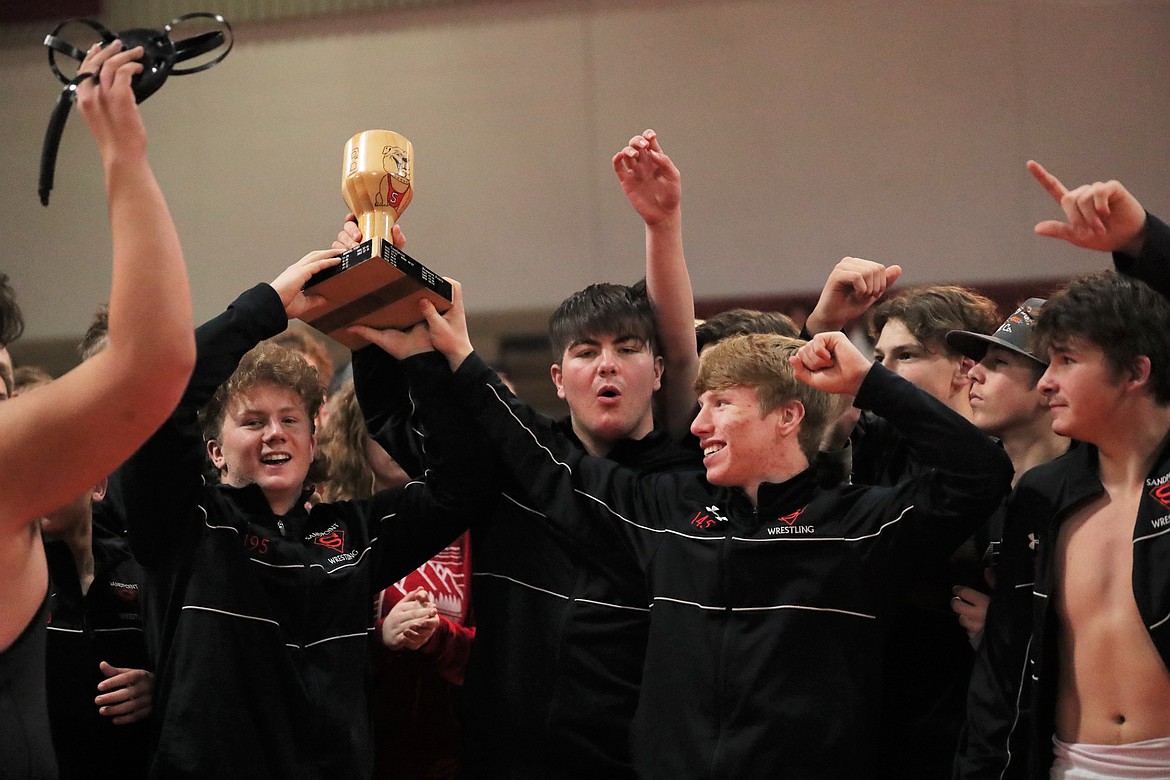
[[806, 130]]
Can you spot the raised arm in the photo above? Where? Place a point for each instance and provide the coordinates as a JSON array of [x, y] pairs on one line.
[[970, 474], [163, 473], [61, 440], [381, 386], [1102, 216], [79, 428], [853, 286], [654, 188], [831, 363], [1106, 217]]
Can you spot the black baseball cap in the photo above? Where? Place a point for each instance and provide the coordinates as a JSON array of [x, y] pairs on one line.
[[1014, 334]]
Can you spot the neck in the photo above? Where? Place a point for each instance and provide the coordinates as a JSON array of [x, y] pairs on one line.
[[593, 445], [278, 502], [1032, 445], [600, 446], [282, 505], [79, 540], [1127, 454], [782, 470]]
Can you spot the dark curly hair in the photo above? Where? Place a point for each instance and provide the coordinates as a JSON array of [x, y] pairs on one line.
[[1123, 316], [265, 363], [94, 340], [11, 320]]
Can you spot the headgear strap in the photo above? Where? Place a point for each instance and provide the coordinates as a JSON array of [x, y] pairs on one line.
[[160, 54]]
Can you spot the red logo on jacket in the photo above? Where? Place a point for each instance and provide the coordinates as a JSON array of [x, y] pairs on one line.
[[334, 540], [790, 519], [703, 521], [708, 521], [1161, 494]]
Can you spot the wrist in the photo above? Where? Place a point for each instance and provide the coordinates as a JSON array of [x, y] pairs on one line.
[[435, 640], [670, 221], [816, 322], [862, 372], [128, 156], [1134, 246], [455, 359]]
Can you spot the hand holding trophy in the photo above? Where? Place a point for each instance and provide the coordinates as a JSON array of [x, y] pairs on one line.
[[376, 284]]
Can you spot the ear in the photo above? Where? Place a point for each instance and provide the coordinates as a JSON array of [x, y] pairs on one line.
[[961, 380], [789, 417], [215, 452], [1137, 376], [555, 373], [658, 367], [99, 490]]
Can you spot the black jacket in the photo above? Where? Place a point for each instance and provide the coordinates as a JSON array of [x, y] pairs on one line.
[[1016, 716], [928, 657], [766, 626], [1011, 701], [105, 624], [552, 682], [260, 624]]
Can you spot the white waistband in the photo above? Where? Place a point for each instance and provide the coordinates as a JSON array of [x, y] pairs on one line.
[[1134, 761]]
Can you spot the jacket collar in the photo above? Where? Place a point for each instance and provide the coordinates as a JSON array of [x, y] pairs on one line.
[[781, 498], [251, 499], [656, 451], [774, 499]]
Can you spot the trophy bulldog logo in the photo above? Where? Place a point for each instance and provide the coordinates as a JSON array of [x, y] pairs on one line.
[[396, 183]]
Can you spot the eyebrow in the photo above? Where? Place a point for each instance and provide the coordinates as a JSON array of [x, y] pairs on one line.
[[591, 341], [901, 346], [282, 410]]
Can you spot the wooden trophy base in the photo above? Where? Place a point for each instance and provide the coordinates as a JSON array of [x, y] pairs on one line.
[[375, 284]]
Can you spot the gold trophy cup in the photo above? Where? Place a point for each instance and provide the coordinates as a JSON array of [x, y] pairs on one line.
[[376, 284]]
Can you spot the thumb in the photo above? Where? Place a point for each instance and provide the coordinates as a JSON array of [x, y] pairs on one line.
[[799, 369], [893, 273], [309, 303], [109, 670], [436, 323], [1054, 229]]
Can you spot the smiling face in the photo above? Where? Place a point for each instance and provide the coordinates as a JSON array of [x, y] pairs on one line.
[[740, 442], [1083, 390], [267, 439], [1004, 395], [932, 369], [609, 384]]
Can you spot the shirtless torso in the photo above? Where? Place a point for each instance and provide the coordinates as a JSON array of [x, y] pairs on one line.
[[1113, 688], [24, 579]]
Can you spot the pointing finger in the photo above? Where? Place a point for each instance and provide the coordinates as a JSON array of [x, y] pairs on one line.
[[1049, 182]]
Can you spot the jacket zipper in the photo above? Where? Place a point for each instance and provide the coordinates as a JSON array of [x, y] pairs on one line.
[[720, 676]]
